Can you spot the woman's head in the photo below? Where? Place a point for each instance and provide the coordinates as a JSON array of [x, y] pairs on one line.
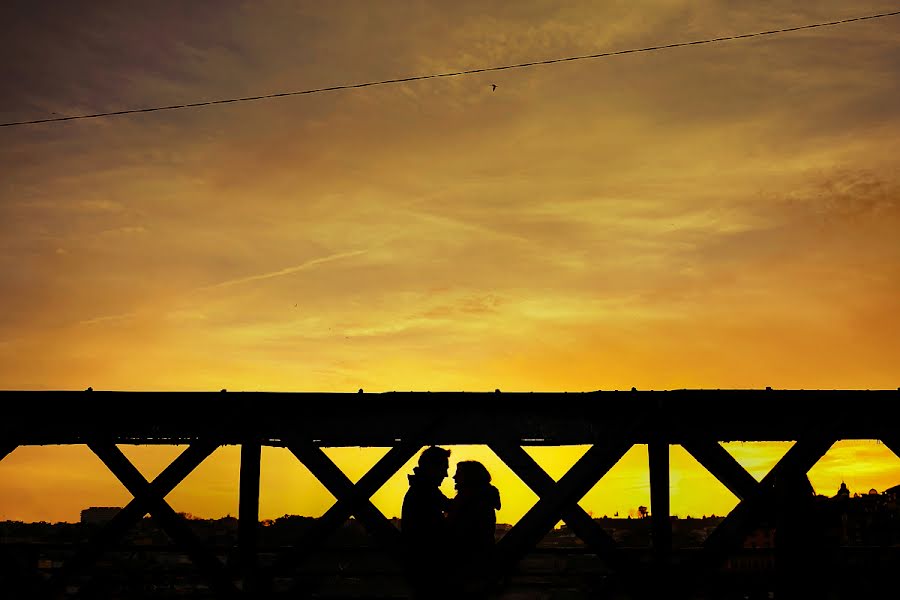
[[471, 474]]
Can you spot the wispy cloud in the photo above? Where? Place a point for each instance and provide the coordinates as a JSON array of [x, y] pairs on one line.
[[124, 230], [281, 272], [108, 319]]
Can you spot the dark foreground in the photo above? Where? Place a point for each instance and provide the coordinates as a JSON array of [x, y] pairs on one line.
[[550, 573]]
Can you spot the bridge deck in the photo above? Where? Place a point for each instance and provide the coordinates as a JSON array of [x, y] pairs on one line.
[[341, 419]]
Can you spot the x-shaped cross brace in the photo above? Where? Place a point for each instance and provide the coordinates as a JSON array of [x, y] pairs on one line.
[[753, 496], [799, 459], [150, 497], [581, 523], [558, 500], [352, 499]]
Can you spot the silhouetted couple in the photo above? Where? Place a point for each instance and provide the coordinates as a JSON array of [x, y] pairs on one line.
[[449, 543]]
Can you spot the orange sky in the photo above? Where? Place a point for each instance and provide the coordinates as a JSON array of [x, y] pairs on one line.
[[721, 216]]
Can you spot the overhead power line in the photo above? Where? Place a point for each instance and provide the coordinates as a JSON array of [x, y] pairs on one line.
[[451, 74]]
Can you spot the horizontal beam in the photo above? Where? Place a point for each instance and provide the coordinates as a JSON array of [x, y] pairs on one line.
[[337, 419]]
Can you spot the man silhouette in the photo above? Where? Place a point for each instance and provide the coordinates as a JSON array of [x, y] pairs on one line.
[[423, 523]]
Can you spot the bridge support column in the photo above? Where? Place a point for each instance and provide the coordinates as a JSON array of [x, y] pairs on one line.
[[660, 521], [248, 514]]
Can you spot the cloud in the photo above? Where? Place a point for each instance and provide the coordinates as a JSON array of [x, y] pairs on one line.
[[124, 230], [101, 206], [109, 319], [287, 271], [479, 305]]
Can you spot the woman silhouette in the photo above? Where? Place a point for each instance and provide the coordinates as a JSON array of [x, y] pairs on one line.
[[471, 524]]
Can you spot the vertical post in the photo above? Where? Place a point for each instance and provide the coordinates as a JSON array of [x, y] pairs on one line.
[[661, 523], [248, 513]]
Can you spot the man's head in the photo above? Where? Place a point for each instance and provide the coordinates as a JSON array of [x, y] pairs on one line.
[[434, 463]]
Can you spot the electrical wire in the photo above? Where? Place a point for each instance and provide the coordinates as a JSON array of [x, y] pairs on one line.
[[450, 74]]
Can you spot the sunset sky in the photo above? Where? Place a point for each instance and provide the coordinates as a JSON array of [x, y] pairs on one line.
[[717, 216]]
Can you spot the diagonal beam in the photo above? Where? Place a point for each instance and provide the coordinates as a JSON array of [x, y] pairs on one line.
[[368, 484], [349, 501], [355, 500], [170, 521], [164, 483], [722, 465], [342, 509], [893, 443], [6, 448], [530, 472], [344, 490], [729, 534], [578, 481]]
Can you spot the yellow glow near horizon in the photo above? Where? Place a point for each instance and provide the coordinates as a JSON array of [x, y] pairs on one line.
[[35, 479]]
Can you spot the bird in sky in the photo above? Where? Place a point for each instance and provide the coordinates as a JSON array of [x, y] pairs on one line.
[[493, 87]]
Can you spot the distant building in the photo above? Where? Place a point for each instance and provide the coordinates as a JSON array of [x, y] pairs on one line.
[[843, 492], [893, 492], [98, 515]]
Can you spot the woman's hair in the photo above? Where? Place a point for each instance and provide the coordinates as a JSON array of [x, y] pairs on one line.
[[472, 473]]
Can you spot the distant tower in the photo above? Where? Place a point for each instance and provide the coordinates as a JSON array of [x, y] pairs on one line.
[[843, 492]]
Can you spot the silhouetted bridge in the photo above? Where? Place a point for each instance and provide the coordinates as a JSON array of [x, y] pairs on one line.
[[610, 422]]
